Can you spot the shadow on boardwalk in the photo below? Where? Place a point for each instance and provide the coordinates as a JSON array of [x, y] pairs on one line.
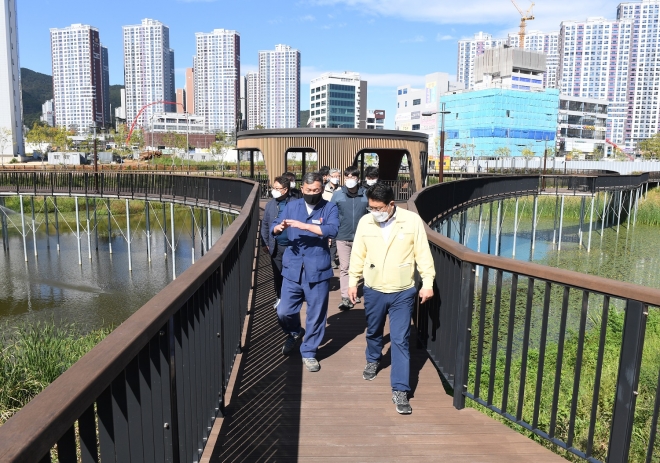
[[279, 412]]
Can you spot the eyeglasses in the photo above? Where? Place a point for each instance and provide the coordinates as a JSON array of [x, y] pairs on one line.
[[280, 188], [377, 209]]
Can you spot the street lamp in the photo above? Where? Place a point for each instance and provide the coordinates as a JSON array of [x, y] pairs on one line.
[[442, 112]]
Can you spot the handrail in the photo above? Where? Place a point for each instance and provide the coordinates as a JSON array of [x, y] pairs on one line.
[[462, 327], [161, 342]]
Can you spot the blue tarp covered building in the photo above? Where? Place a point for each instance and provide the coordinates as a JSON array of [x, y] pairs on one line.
[[481, 121]]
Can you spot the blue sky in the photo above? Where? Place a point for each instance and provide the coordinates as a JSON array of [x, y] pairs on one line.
[[390, 42]]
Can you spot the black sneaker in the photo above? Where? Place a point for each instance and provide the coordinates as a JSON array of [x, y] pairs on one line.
[[292, 341], [358, 300], [370, 371], [346, 304], [400, 399]]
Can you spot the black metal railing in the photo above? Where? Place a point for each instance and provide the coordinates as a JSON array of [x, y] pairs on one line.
[[152, 389], [557, 352]]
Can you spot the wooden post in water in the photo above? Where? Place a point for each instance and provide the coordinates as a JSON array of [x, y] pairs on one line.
[[192, 232], [107, 205], [591, 223], [173, 243], [498, 229], [561, 223], [75, 198], [146, 212], [57, 223], [34, 227], [515, 229], [47, 226], [534, 222], [128, 236], [89, 230], [96, 227], [20, 199], [165, 230]]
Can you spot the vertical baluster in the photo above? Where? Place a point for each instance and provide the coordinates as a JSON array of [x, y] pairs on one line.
[[134, 407], [509, 341], [599, 371], [66, 447], [482, 324], [542, 342], [106, 426], [525, 347], [654, 423], [87, 431], [578, 367], [560, 358], [496, 329]]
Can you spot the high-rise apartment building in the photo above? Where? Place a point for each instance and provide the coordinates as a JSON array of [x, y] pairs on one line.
[[338, 99], [252, 96], [48, 113], [279, 88], [217, 74], [180, 100], [11, 108], [544, 42], [80, 78], [148, 70], [595, 63], [190, 90], [468, 50], [642, 107], [105, 70]]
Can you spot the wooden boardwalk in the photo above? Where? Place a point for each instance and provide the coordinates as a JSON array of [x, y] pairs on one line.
[[279, 412]]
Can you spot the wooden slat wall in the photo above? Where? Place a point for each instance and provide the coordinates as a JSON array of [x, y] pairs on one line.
[[338, 152]]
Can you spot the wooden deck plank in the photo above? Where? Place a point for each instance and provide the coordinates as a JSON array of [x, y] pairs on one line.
[[278, 411]]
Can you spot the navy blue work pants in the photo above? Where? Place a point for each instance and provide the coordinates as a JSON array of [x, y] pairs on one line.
[[288, 311], [399, 306]]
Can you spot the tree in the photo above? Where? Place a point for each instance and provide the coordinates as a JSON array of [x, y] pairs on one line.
[[503, 152], [528, 152], [598, 153], [575, 154], [650, 148], [619, 155]]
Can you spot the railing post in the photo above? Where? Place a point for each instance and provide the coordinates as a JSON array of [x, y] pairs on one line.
[[463, 330], [634, 327]]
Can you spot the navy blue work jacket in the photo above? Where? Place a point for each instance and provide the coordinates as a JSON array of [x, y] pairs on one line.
[[306, 249]]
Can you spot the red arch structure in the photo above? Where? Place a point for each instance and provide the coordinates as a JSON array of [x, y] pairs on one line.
[[130, 132]]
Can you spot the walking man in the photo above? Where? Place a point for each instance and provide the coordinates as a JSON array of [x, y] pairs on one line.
[[276, 244], [309, 223], [352, 204], [389, 244]]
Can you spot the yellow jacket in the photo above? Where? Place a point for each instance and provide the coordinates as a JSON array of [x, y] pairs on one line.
[[390, 267]]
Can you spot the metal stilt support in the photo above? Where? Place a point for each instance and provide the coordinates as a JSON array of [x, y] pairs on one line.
[[128, 236], [20, 199], [78, 230], [515, 229], [173, 243], [57, 223], [591, 223], [561, 223], [34, 227]]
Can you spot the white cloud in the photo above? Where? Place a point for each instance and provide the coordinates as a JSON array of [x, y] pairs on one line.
[[548, 15], [441, 37], [308, 18], [416, 39]]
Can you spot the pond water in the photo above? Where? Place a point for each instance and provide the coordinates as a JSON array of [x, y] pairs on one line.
[[101, 292], [631, 255]]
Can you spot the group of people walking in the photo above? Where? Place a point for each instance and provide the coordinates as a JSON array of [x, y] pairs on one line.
[[375, 241]]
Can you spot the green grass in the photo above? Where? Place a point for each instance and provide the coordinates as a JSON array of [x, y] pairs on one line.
[[32, 357]]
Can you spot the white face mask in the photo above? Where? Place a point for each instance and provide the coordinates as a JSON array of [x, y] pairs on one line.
[[372, 182], [380, 216], [293, 184], [334, 180], [351, 183], [275, 193]]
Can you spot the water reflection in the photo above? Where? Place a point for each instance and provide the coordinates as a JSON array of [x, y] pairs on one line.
[[100, 292]]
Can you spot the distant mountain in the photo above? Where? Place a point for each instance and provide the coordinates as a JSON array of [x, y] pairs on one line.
[[37, 88]]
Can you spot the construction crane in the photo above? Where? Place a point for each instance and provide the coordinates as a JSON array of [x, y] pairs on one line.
[[524, 17]]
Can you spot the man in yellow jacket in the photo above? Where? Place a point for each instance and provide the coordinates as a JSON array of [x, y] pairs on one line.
[[389, 244]]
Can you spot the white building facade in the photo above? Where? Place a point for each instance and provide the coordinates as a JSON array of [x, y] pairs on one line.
[[412, 102], [217, 79], [11, 106], [279, 88], [148, 70], [338, 100], [468, 50], [177, 123], [376, 119], [252, 97], [80, 77], [48, 113]]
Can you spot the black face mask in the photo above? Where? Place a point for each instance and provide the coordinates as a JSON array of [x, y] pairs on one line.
[[314, 199], [283, 197]]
